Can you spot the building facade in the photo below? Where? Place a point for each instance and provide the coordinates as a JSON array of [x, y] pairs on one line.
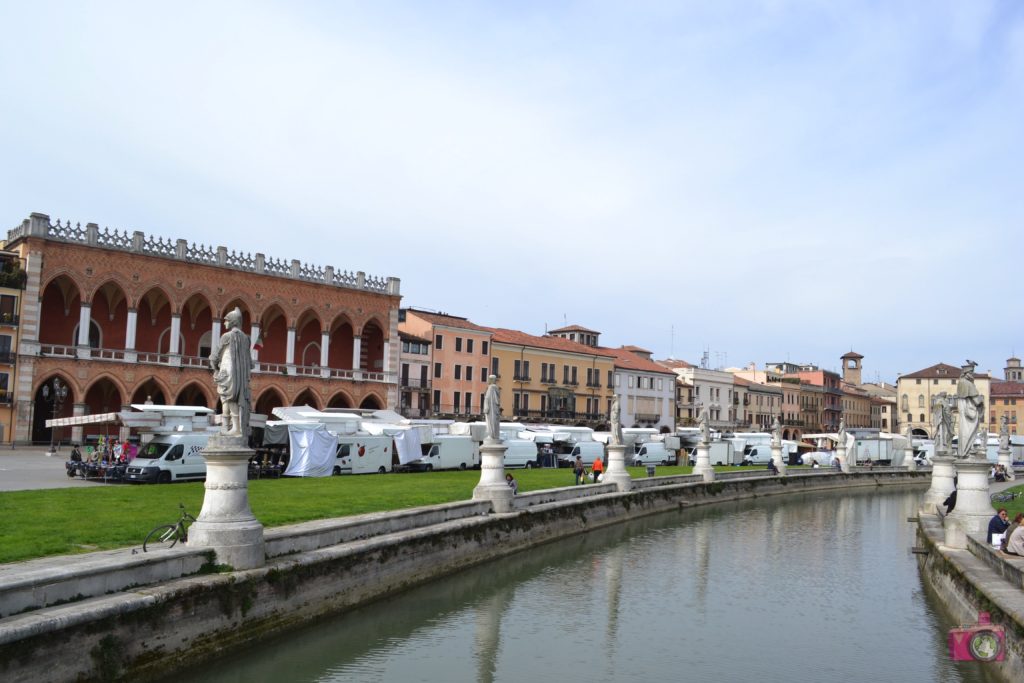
[[120, 318], [414, 368], [12, 285], [646, 390], [916, 390]]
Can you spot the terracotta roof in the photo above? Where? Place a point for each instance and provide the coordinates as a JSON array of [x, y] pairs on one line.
[[627, 360], [852, 354], [446, 320], [573, 328], [743, 382], [504, 336], [409, 336], [635, 349], [672, 363], [1007, 389], [937, 371]]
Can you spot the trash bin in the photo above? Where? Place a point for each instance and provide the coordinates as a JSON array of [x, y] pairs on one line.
[[650, 470]]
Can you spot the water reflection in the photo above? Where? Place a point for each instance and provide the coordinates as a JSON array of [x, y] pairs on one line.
[[802, 588]]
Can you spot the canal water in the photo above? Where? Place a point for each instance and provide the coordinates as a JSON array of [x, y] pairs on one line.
[[806, 588]]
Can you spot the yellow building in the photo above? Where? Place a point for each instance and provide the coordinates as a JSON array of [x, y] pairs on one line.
[[1008, 401], [12, 284], [552, 379], [915, 391]]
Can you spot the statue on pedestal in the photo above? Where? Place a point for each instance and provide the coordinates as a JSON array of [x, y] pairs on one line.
[[969, 404], [776, 433], [1004, 434], [492, 409], [942, 423], [231, 361], [842, 432]]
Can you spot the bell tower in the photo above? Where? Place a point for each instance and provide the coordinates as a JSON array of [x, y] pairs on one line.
[[851, 367]]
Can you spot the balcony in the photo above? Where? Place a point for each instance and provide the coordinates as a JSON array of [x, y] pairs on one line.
[[7, 357], [555, 415], [447, 409], [570, 383], [9, 319], [415, 383], [594, 385], [520, 378], [548, 380], [6, 397], [201, 363]]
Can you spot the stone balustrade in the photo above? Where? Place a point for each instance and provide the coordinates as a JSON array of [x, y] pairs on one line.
[[39, 225]]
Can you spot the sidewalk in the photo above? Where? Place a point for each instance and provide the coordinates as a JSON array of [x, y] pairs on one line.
[[29, 468]]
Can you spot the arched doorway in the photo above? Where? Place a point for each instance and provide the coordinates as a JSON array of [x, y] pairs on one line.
[[307, 398], [268, 400], [192, 395], [371, 402], [339, 400], [46, 408], [371, 354], [103, 396], [151, 391], [59, 312]]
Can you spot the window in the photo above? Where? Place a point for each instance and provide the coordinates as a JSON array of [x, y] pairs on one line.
[[483, 348], [458, 343], [405, 347], [494, 367], [610, 373], [920, 400], [437, 400], [458, 373], [526, 402], [661, 384], [437, 370], [469, 402], [631, 381], [575, 379], [469, 348], [526, 370], [917, 381], [455, 403], [483, 376], [438, 342], [565, 374], [469, 376], [922, 417]]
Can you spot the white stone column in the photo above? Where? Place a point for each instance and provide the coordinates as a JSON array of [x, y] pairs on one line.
[[130, 329], [84, 318], [289, 354], [616, 473], [386, 365], [780, 464], [226, 523], [942, 484], [254, 334], [173, 348], [325, 346], [1006, 460], [703, 465], [357, 352], [493, 486], [844, 463], [973, 506]]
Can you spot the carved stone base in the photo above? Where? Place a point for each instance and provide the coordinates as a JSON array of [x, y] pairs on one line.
[[973, 508], [1006, 460], [226, 523], [777, 459], [493, 486], [616, 473], [844, 462], [942, 483], [703, 464]]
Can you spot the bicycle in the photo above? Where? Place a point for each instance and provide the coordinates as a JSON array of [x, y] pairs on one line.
[[166, 536], [1004, 497]]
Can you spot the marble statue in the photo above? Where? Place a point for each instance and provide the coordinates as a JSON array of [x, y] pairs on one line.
[[776, 433], [842, 432], [492, 409], [969, 404], [703, 422], [231, 361], [942, 423], [616, 419], [1004, 434]]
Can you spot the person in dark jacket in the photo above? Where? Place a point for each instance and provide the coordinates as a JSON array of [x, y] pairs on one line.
[[998, 524]]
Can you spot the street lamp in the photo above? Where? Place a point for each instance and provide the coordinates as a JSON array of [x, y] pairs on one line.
[[55, 396]]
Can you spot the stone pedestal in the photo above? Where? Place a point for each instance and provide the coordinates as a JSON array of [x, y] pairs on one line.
[[973, 508], [703, 465], [777, 459], [616, 473], [226, 523], [908, 460], [844, 462], [1006, 460], [942, 483], [493, 486]]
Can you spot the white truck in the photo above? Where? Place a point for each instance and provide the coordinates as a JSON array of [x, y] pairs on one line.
[[448, 452], [363, 454]]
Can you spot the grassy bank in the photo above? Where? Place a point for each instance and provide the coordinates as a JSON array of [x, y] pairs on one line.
[[61, 521]]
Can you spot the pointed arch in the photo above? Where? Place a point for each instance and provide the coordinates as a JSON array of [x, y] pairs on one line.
[[152, 320], [46, 408], [307, 398], [59, 311], [150, 389], [269, 398], [340, 400], [307, 338], [110, 313], [371, 353], [196, 324], [194, 394], [339, 353], [371, 402], [274, 330]]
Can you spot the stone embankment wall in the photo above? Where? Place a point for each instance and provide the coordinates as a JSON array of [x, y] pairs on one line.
[[328, 566], [977, 579]]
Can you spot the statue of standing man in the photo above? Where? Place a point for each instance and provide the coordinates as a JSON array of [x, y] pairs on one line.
[[969, 405], [704, 423], [616, 420], [492, 410], [776, 433], [231, 361]]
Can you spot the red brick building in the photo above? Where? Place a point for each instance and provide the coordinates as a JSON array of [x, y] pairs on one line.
[[121, 318]]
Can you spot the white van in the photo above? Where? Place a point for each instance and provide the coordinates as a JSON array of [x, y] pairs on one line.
[[448, 452], [170, 457], [652, 453], [589, 451], [521, 453], [363, 454]]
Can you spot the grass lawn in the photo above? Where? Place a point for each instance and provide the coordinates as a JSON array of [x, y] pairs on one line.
[[61, 521], [1012, 506]]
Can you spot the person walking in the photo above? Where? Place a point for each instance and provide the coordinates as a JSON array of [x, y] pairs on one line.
[[597, 468], [580, 470]]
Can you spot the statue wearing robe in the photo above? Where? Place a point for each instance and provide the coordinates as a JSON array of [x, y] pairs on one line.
[[231, 361], [616, 420], [969, 405], [492, 409]]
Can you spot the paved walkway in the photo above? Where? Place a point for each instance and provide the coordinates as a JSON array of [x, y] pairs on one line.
[[30, 468]]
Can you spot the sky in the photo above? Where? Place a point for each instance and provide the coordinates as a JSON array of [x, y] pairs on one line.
[[762, 180]]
